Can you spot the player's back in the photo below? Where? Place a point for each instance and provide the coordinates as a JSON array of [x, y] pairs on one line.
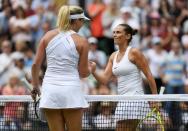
[[62, 60]]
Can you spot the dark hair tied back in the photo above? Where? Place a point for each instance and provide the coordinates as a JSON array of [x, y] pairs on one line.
[[129, 30], [134, 31]]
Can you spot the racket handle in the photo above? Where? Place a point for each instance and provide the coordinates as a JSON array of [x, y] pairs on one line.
[[162, 90]]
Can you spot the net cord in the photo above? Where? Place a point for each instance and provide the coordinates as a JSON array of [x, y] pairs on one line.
[[112, 98]]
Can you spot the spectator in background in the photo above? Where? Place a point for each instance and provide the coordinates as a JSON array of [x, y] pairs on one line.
[[180, 12], [156, 57], [29, 11], [19, 26], [36, 3], [19, 46], [95, 10], [165, 9], [126, 17], [10, 111], [173, 72], [4, 20], [39, 24], [5, 61], [96, 55], [20, 119], [19, 65], [145, 37], [105, 118], [166, 33], [13, 87], [28, 61], [154, 23], [108, 17], [4, 3], [184, 41]]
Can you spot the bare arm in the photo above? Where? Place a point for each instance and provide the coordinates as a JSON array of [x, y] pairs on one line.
[[83, 66], [37, 63], [105, 76], [141, 62]]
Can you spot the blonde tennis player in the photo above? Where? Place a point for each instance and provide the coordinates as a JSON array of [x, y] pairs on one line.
[[126, 64], [66, 52]]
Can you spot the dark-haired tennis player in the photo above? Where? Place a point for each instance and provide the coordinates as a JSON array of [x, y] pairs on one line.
[[126, 64], [66, 52]]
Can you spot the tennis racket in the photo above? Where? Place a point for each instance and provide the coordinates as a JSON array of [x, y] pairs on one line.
[[155, 115], [38, 112]]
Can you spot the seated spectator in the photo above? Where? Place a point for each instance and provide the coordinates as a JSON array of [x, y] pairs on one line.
[[184, 41], [4, 20], [174, 70], [19, 26], [156, 57], [96, 55], [21, 118], [5, 61], [108, 17], [105, 119], [13, 87]]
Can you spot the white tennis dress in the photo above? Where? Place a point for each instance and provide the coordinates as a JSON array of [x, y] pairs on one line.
[[61, 87], [129, 83]]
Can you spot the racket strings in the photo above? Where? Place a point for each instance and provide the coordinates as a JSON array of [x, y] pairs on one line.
[[157, 117]]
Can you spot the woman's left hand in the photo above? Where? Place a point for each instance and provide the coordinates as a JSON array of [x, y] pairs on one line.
[[156, 105]]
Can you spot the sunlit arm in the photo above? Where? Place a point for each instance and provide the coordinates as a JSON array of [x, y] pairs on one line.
[[105, 76], [37, 63], [139, 59]]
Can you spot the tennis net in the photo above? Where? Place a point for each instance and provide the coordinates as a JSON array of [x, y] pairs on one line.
[[105, 113]]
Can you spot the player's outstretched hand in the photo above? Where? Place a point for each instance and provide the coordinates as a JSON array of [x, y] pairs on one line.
[[92, 66]]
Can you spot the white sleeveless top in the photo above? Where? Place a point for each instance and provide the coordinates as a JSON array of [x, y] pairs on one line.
[[62, 60], [61, 87], [128, 76]]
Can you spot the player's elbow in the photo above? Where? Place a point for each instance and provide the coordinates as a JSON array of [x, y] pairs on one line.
[[35, 66]]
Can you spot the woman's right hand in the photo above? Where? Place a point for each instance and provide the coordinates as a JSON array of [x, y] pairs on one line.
[[35, 92], [92, 66]]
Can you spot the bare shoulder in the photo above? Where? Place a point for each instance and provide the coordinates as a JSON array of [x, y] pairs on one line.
[[79, 39], [112, 56], [135, 51], [134, 54], [50, 35], [80, 42]]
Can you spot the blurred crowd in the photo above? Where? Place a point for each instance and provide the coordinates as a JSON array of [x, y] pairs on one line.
[[162, 36]]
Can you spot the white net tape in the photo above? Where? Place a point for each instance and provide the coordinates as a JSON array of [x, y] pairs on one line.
[[92, 98]]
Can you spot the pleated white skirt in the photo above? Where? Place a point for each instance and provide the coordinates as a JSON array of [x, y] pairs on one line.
[[62, 97]]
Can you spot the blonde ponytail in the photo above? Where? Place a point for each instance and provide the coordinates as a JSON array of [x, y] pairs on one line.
[[63, 21]]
